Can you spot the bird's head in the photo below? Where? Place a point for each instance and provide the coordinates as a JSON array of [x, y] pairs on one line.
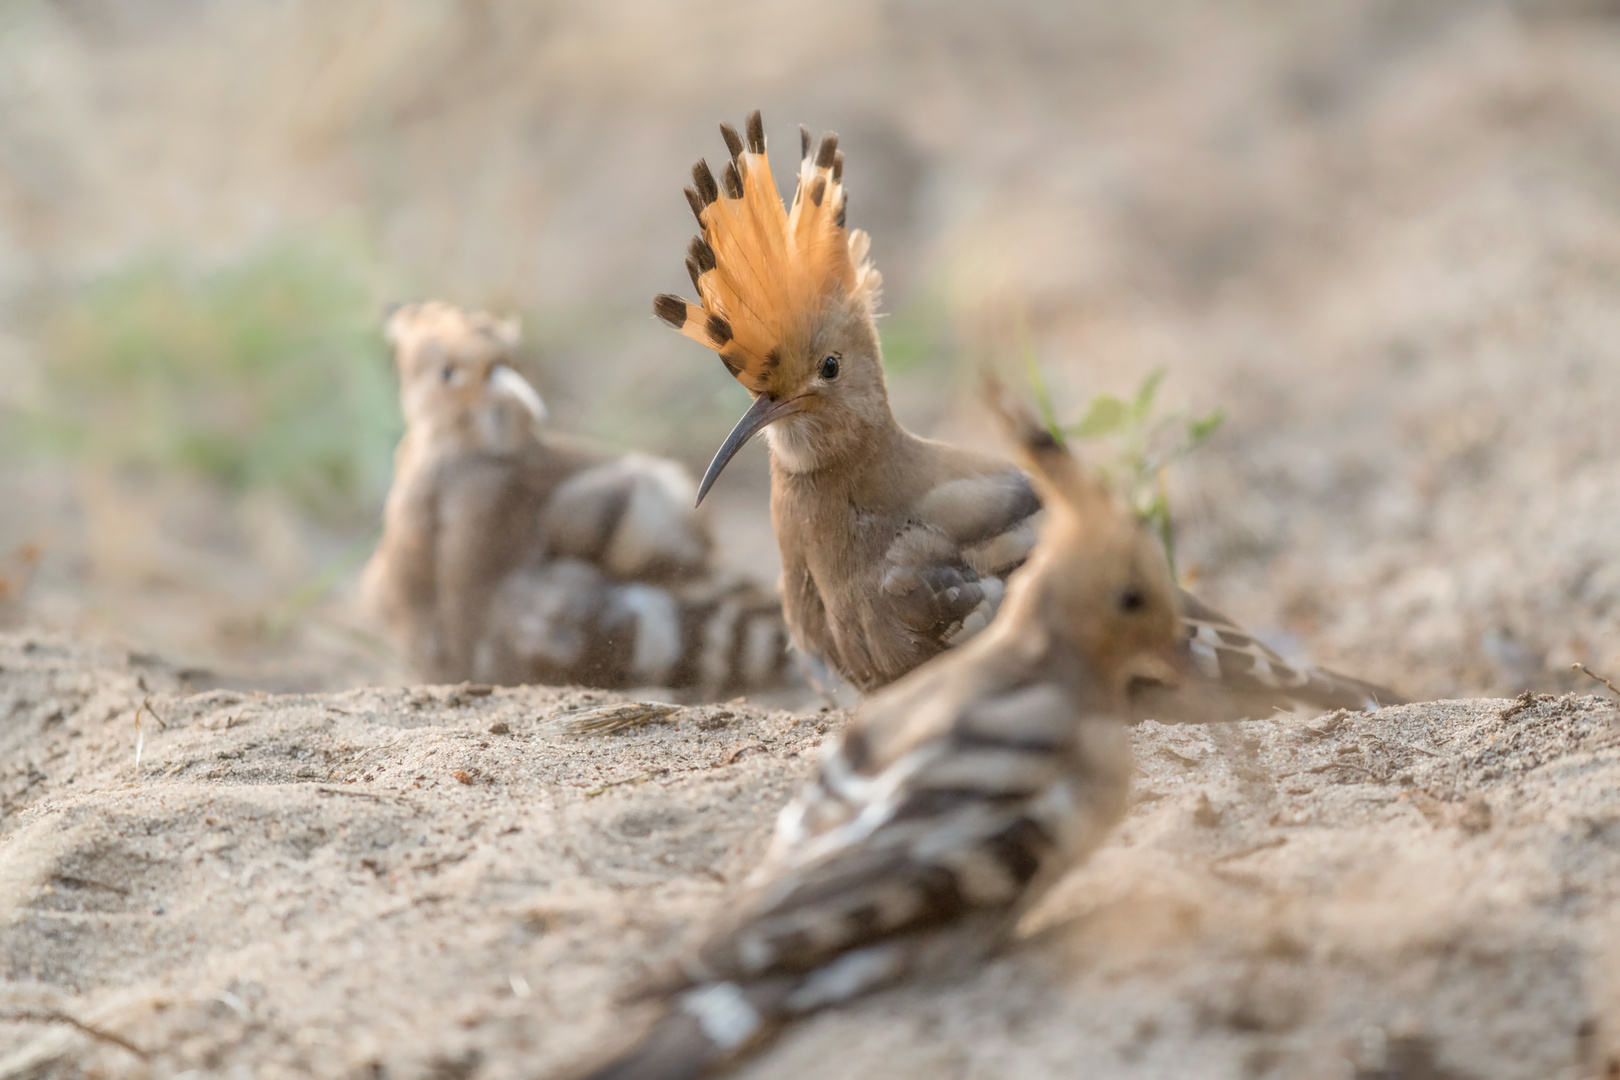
[[787, 298], [1097, 579], [456, 376]]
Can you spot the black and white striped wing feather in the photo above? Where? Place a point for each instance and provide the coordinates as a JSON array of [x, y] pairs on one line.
[[925, 820], [1245, 668]]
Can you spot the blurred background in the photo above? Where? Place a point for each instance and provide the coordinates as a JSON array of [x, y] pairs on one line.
[[1382, 236]]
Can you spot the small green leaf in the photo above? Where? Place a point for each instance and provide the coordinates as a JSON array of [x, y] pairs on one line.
[[1105, 415], [1205, 426], [1146, 393]]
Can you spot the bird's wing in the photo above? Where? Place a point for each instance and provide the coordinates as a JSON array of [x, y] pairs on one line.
[[633, 516], [944, 572], [944, 806]]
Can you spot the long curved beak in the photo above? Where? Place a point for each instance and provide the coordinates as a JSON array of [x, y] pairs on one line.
[[761, 414], [505, 380]]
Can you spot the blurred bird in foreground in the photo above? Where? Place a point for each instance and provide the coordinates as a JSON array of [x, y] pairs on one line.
[[509, 556], [894, 547], [953, 801]]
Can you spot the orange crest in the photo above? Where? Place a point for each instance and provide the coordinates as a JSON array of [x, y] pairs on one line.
[[765, 275]]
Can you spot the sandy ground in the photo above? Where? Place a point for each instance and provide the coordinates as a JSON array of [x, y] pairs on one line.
[[1384, 237], [432, 882]]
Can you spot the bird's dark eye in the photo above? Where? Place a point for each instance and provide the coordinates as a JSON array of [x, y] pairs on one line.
[[829, 368], [1132, 600], [447, 373]]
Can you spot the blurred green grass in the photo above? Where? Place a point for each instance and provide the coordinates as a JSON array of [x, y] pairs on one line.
[[264, 371], [917, 336]]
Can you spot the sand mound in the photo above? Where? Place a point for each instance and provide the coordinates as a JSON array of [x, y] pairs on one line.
[[432, 883]]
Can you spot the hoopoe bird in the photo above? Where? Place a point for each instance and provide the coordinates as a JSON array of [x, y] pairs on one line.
[[894, 547], [956, 797], [510, 555]]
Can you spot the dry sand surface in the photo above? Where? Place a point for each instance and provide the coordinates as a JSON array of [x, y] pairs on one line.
[[432, 882], [1384, 236]]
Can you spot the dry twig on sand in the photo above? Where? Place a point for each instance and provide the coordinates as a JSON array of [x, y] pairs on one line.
[[54, 1017], [1583, 669], [606, 719]]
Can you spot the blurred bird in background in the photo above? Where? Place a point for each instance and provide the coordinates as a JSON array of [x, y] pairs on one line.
[[513, 556], [953, 801], [894, 547]]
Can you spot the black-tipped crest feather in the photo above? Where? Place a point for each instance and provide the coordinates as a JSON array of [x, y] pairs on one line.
[[708, 191], [671, 309], [1058, 474], [733, 142], [756, 133], [701, 253], [829, 147], [719, 331]]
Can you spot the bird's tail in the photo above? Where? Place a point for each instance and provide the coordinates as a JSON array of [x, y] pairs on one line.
[[1324, 689], [703, 1030], [676, 1049], [1247, 679], [567, 622], [733, 639]]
